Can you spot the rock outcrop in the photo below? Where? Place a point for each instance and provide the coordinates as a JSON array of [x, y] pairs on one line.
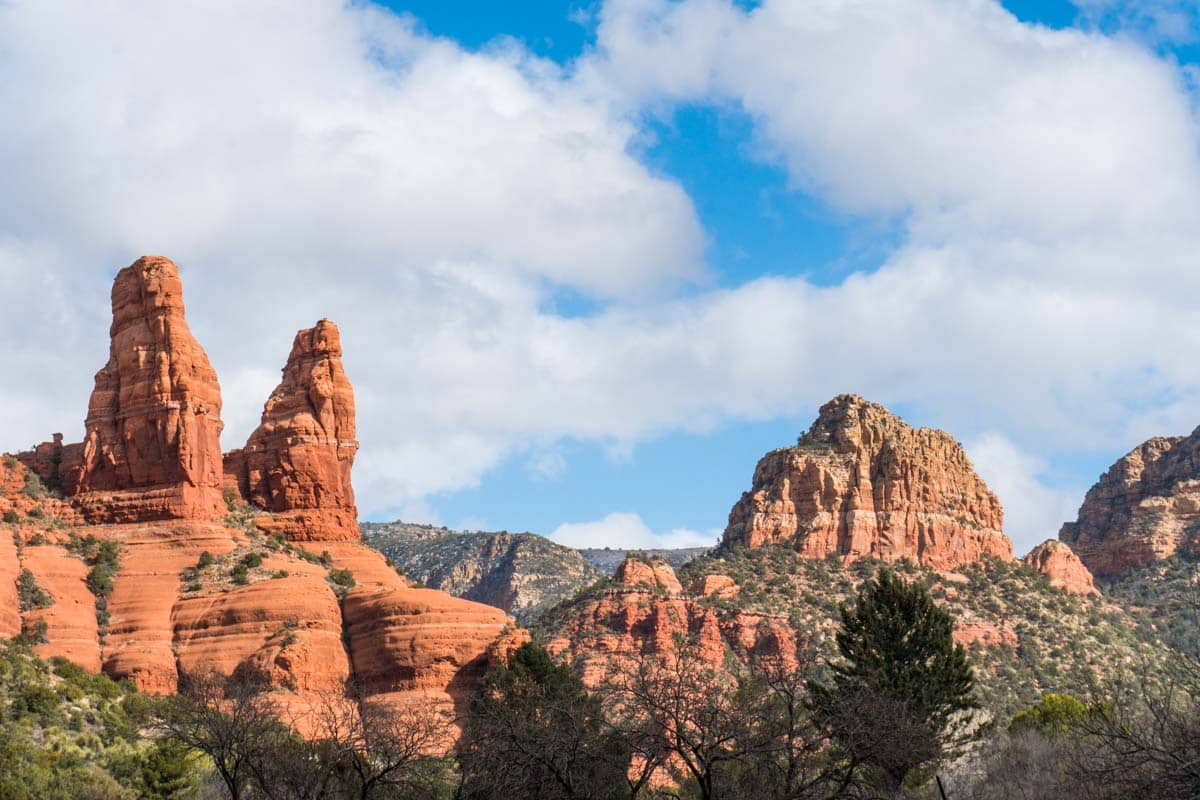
[[644, 612], [1144, 508], [152, 443], [203, 583], [1061, 567], [864, 484], [655, 575], [297, 463]]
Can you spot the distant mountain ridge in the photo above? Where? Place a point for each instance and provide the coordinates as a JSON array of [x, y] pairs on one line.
[[607, 559], [521, 573]]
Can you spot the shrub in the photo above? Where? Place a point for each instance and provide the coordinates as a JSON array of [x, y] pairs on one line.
[[240, 574], [279, 573], [206, 560], [30, 593], [342, 577], [33, 487], [11, 516], [252, 560]]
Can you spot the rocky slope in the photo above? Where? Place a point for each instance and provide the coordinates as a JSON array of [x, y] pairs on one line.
[[520, 573], [1146, 507], [861, 483], [1024, 636], [860, 490], [155, 563]]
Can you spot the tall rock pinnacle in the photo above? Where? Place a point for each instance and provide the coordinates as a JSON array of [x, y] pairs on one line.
[[154, 419], [862, 483], [297, 463]]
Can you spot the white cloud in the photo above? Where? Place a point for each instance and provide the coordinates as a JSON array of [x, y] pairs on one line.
[[316, 159], [626, 531], [1030, 508]]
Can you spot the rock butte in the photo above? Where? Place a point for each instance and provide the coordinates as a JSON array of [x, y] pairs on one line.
[[150, 476], [862, 483], [1061, 567], [1144, 508]]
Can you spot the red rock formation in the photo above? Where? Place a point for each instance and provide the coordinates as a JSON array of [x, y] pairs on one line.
[[151, 472], [140, 644], [862, 483], [1061, 567], [1144, 508], [71, 620], [297, 463], [152, 447], [655, 574], [10, 569], [405, 641], [288, 630], [638, 617], [722, 587]]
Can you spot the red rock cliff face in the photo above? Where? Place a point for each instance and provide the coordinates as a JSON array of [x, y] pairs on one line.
[[863, 483], [154, 420], [1145, 507], [297, 463]]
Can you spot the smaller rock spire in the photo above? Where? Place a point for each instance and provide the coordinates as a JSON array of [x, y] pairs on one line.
[[297, 463]]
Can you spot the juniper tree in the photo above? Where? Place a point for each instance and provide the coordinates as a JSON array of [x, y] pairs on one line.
[[896, 695]]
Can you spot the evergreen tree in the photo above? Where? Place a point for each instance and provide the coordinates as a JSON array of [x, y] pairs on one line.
[[533, 731], [897, 693]]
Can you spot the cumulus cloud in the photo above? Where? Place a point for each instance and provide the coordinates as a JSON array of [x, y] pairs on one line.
[[318, 159], [626, 531], [1030, 507]]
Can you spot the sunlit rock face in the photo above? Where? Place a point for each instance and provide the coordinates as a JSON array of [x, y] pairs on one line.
[[1144, 508], [862, 483], [297, 463]]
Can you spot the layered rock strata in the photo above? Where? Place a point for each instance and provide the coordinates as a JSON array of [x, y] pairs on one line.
[[1146, 507], [297, 463], [861, 483]]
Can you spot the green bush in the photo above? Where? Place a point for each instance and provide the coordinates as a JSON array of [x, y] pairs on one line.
[[206, 560], [342, 577], [11, 516], [33, 487], [30, 593], [240, 574], [252, 560]]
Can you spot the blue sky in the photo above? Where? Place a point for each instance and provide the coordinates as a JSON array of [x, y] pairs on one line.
[[592, 259]]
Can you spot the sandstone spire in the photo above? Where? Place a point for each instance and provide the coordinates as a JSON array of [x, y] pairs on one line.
[[863, 483], [297, 463], [154, 420]]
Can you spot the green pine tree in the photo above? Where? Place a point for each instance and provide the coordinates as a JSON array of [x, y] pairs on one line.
[[897, 693]]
